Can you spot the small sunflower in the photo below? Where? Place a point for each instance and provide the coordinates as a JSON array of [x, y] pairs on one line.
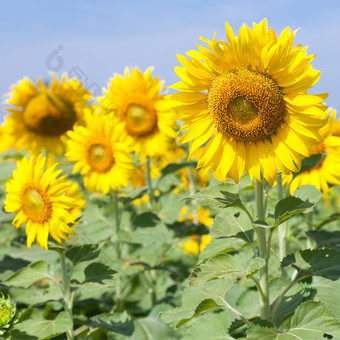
[[99, 155], [136, 101], [327, 171], [245, 102], [197, 243], [41, 115], [39, 198]]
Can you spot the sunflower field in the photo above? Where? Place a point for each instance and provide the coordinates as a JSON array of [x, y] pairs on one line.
[[203, 210]]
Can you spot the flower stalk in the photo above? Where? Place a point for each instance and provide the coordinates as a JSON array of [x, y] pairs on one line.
[[262, 246]]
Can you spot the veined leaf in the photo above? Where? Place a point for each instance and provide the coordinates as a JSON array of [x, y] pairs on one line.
[[27, 276], [311, 321], [32, 323], [289, 207], [196, 300], [317, 262]]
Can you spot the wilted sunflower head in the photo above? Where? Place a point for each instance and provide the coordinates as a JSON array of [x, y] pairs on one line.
[[244, 103], [41, 114]]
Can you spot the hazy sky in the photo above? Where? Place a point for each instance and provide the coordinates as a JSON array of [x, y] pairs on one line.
[[97, 38]]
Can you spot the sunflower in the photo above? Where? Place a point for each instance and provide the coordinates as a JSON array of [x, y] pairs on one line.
[[327, 170], [197, 243], [39, 198], [73, 190], [136, 101], [245, 101], [41, 114], [99, 155]]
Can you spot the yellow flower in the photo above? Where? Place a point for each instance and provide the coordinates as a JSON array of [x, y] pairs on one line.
[[245, 101], [327, 170], [39, 198], [197, 243], [74, 191], [136, 101], [41, 115], [99, 155]]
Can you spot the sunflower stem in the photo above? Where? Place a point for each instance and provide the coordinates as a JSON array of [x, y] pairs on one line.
[[148, 180], [68, 299], [262, 245], [116, 224], [282, 229]]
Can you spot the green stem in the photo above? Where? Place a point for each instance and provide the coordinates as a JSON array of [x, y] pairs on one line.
[[262, 245], [148, 180], [282, 229], [68, 298], [116, 224]]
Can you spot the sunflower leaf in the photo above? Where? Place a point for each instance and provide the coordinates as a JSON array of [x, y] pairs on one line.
[[317, 262], [32, 325], [172, 167], [219, 196], [27, 276], [311, 320], [289, 207], [197, 300]]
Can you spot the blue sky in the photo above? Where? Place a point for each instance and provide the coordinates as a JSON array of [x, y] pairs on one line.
[[97, 38]]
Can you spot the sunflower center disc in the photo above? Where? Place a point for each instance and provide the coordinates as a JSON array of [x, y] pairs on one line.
[[49, 115], [140, 121], [246, 105], [35, 205], [100, 157]]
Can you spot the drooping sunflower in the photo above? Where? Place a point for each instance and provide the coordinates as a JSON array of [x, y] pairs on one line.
[[41, 114], [245, 103], [99, 154], [38, 197], [136, 101], [327, 171]]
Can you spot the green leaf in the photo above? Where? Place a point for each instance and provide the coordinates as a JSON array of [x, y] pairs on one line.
[[308, 192], [308, 163], [218, 196], [119, 322], [98, 272], [218, 246], [172, 167], [325, 238], [289, 207], [233, 222], [36, 295], [194, 304], [318, 262], [152, 328], [328, 292], [146, 219], [235, 267], [211, 326], [27, 276], [311, 321], [34, 324], [82, 253]]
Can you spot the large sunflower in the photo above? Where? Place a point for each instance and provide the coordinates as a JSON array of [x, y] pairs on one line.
[[99, 155], [39, 198], [137, 102], [327, 171], [245, 101], [41, 114]]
